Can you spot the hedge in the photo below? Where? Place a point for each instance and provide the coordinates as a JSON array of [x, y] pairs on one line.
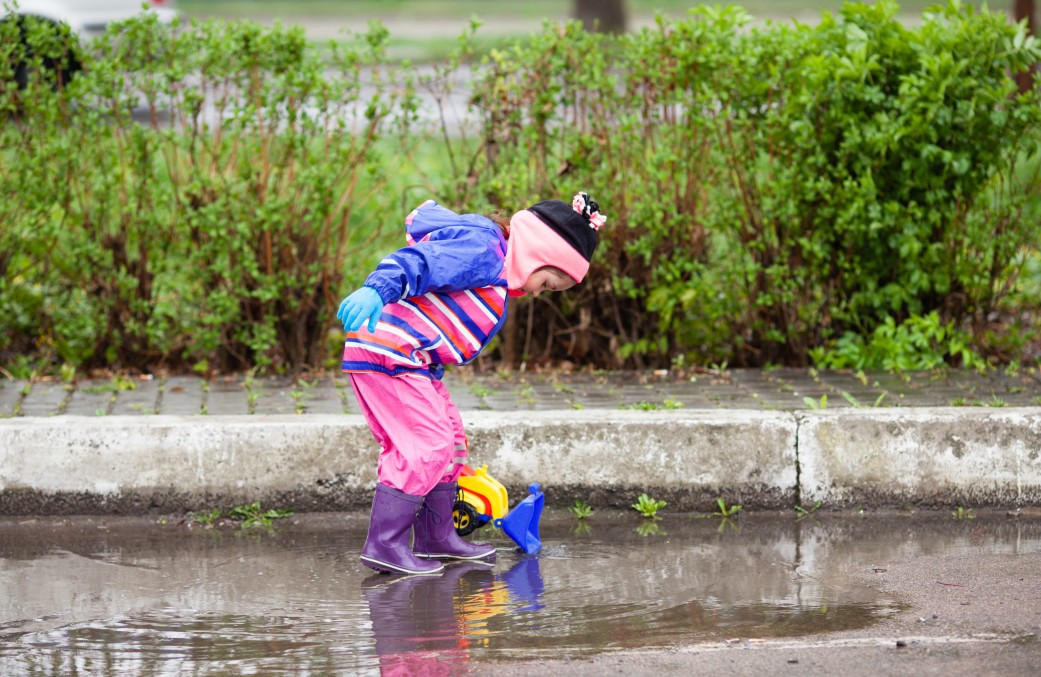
[[857, 193]]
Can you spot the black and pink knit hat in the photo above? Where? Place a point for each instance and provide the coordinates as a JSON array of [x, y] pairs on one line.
[[553, 233], [576, 223]]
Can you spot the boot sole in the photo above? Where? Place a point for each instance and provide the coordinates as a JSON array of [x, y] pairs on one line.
[[388, 568], [472, 558]]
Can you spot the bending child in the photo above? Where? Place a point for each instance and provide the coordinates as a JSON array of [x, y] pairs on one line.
[[439, 301]]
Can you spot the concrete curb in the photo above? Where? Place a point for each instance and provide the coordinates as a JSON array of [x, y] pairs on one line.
[[930, 457]]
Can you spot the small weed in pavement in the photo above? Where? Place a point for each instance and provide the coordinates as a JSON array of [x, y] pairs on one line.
[[814, 404], [726, 511], [581, 509], [206, 519], [253, 515], [802, 512], [668, 403], [648, 507]]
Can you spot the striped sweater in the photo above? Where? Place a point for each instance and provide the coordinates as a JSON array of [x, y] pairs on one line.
[[445, 296]]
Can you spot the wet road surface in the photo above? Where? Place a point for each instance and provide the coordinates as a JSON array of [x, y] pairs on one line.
[[130, 596]]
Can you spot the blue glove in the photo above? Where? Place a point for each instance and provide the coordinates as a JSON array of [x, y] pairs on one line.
[[362, 305]]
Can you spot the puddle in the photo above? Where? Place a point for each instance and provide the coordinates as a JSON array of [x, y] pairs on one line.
[[113, 596]]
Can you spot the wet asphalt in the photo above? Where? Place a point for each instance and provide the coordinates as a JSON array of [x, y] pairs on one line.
[[615, 593]]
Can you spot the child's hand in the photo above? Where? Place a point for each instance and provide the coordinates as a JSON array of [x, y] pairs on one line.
[[362, 305]]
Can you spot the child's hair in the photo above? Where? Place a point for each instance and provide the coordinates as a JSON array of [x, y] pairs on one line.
[[500, 219]]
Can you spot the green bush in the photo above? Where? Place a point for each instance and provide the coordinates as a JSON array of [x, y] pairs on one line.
[[856, 193], [215, 234], [880, 191], [919, 343], [773, 189]]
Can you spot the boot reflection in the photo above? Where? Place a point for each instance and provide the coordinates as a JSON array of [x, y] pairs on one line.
[[425, 625], [414, 618]]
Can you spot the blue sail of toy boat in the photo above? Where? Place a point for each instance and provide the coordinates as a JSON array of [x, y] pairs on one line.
[[522, 523]]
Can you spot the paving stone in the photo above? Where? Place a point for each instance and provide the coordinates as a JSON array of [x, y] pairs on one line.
[[90, 399], [862, 397], [599, 400], [786, 374], [690, 395], [481, 389], [813, 391], [348, 398], [143, 399], [848, 383], [554, 402], [698, 402], [503, 403], [1021, 399], [10, 396], [751, 378], [324, 397], [732, 399], [636, 394], [45, 399], [182, 396], [226, 397], [465, 399], [273, 396], [940, 397], [767, 402], [775, 389]]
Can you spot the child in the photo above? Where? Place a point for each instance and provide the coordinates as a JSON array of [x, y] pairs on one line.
[[438, 301]]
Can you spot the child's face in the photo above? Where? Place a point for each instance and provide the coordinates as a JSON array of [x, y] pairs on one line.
[[548, 279]]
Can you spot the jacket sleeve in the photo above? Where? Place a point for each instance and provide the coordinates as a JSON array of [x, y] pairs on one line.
[[451, 258]]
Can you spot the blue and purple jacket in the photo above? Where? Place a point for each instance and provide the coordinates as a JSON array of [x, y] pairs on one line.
[[445, 296]]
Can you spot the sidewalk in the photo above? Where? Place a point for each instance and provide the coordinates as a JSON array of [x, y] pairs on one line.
[[765, 439], [762, 390]]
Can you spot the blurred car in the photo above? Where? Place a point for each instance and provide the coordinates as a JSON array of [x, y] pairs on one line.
[[79, 19], [89, 18]]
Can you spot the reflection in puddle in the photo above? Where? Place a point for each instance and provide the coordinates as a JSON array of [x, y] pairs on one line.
[[162, 600]]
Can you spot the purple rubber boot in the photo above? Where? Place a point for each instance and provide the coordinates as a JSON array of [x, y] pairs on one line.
[[386, 547], [436, 537]]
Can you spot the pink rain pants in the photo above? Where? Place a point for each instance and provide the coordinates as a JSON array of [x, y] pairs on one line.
[[418, 428]]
